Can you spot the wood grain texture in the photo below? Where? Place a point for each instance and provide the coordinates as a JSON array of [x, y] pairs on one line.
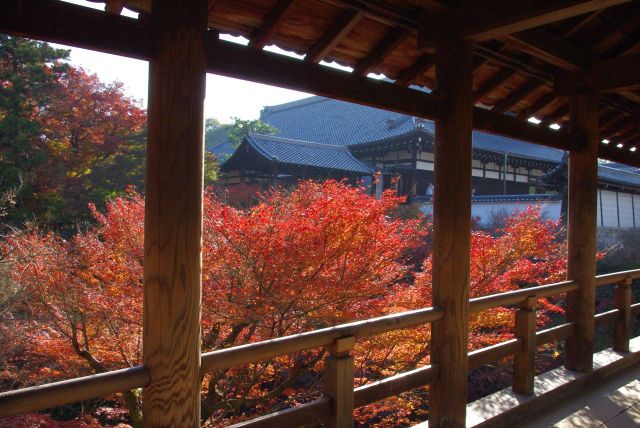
[[71, 391], [583, 185], [480, 21], [622, 327], [524, 359], [331, 38], [173, 214], [338, 382], [452, 233]]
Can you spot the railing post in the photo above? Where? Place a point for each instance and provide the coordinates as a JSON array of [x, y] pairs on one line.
[[622, 327], [338, 382], [581, 231], [524, 360]]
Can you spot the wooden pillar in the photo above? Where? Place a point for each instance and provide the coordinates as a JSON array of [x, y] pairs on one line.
[[581, 217], [173, 214], [452, 233]]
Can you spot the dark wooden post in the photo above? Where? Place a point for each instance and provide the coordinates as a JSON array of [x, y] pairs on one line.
[[452, 233], [524, 360], [622, 326], [583, 187], [338, 382], [173, 214]]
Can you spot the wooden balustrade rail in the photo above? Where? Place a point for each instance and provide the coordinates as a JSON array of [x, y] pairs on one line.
[[59, 393], [259, 351], [71, 391]]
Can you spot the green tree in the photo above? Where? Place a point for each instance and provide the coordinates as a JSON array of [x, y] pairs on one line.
[[217, 134], [29, 74], [66, 138]]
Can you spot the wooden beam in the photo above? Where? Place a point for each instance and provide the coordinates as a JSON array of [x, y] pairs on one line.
[[489, 19], [530, 111], [232, 60], [581, 232], [336, 33], [615, 74], [628, 46], [508, 126], [417, 68], [173, 213], [114, 6], [452, 234], [550, 48], [79, 26], [554, 117], [381, 51], [491, 84], [274, 19], [76, 26], [516, 96]]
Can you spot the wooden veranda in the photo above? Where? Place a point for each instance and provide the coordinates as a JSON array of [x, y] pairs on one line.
[[491, 65]]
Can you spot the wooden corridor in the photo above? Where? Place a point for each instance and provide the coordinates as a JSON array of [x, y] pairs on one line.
[[488, 65]]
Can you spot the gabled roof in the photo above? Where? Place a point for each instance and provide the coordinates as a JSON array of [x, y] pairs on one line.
[[303, 153], [330, 121]]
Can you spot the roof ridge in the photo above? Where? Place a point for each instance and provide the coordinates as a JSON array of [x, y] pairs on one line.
[[299, 142], [619, 171], [278, 108]]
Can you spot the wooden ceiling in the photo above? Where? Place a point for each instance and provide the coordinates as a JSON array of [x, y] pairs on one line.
[[529, 55]]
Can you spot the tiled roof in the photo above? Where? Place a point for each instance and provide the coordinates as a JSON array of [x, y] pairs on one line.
[[613, 175], [337, 122], [518, 198], [296, 152]]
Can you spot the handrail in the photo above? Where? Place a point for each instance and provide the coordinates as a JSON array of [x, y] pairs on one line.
[[611, 278], [482, 303], [78, 389], [70, 391], [240, 355]]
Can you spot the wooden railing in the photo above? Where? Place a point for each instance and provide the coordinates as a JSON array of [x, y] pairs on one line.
[[340, 397]]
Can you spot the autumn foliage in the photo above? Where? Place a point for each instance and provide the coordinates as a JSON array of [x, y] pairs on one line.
[[318, 255]]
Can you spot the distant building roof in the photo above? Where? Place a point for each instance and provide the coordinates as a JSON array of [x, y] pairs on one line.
[[330, 121], [619, 176], [304, 153]]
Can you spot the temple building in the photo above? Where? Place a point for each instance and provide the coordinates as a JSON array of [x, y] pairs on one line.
[[320, 137]]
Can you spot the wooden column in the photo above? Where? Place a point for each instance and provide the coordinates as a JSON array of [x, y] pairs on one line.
[[173, 214], [581, 218], [452, 233]]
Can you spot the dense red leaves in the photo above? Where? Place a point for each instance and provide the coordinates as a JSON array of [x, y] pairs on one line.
[[319, 255]]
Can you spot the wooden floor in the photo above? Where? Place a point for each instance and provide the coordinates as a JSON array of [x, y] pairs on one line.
[[615, 404]]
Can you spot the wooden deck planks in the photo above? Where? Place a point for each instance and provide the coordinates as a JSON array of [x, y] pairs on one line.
[[613, 404]]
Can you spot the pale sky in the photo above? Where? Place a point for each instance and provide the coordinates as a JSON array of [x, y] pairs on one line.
[[225, 97]]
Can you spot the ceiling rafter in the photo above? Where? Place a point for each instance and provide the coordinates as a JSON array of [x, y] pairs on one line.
[[418, 68], [516, 96], [541, 103], [556, 115], [499, 78], [378, 54], [114, 6], [274, 19], [489, 19], [600, 36], [615, 74], [334, 35]]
